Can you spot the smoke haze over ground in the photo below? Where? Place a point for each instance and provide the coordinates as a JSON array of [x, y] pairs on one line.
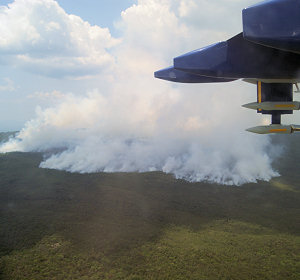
[[132, 122]]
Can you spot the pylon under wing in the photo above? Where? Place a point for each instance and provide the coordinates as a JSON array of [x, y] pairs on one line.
[[266, 53]]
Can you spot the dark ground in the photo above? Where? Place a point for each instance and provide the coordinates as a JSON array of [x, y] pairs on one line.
[[57, 225]]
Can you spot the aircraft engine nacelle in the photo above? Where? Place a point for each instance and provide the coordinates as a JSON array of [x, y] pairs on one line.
[[274, 23]]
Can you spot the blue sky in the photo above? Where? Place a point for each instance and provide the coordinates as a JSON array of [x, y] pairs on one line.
[[99, 12], [103, 13]]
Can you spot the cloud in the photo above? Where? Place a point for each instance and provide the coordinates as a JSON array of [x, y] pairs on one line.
[[55, 94], [39, 36], [134, 122], [224, 15], [8, 85]]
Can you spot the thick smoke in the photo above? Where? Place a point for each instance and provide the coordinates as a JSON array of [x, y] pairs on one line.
[[198, 137], [133, 122]]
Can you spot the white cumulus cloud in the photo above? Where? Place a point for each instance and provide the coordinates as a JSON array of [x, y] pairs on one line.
[[39, 36]]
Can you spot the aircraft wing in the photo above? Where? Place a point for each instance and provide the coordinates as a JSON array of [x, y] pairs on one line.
[[266, 53], [175, 75]]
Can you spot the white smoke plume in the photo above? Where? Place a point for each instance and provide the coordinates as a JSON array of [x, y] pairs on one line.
[[133, 122]]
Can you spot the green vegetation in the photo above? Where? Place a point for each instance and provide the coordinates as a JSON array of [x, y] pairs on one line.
[[180, 253], [57, 225]]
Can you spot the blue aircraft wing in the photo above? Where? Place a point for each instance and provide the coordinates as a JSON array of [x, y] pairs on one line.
[[267, 53]]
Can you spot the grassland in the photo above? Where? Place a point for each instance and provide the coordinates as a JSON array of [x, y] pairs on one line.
[[57, 225]]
